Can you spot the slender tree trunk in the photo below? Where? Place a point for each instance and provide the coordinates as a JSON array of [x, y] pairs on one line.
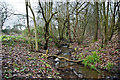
[[112, 28], [68, 20], [105, 22], [36, 36], [0, 23], [46, 35], [1, 26], [75, 27], [118, 27], [50, 8], [29, 35], [97, 18], [111, 32]]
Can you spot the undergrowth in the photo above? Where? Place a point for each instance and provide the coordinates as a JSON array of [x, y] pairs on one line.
[[11, 40], [92, 60]]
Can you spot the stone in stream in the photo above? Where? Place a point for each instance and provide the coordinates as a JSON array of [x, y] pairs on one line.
[[56, 63], [57, 60], [79, 74]]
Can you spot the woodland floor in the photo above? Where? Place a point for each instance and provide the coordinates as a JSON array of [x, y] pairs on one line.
[[19, 62]]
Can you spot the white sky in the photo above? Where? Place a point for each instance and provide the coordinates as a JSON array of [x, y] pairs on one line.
[[19, 6]]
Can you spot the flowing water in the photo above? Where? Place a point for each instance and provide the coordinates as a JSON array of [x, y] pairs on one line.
[[76, 70]]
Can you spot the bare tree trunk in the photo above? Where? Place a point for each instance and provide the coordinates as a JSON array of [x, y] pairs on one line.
[[68, 22], [46, 35], [105, 22], [29, 35], [46, 25], [50, 9], [1, 27], [118, 26], [36, 35], [112, 28], [0, 23], [84, 29], [97, 18]]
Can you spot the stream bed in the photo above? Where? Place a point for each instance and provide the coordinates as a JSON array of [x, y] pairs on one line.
[[76, 70]]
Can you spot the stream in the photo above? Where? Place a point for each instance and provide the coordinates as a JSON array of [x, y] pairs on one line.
[[76, 70]]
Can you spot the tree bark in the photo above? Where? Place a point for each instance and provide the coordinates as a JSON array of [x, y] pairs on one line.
[[28, 27], [36, 35], [105, 22], [97, 18], [68, 22], [112, 28]]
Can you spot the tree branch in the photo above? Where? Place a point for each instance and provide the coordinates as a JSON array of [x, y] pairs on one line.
[[42, 11], [52, 16], [76, 61], [83, 8], [21, 15]]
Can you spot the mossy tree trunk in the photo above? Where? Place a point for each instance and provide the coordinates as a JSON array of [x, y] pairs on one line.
[[105, 22], [36, 35], [97, 18], [28, 27]]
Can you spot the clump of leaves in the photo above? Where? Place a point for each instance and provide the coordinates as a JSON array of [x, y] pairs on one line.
[[92, 60], [109, 66]]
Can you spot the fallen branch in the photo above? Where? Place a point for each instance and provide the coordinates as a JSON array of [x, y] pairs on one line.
[[76, 61]]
